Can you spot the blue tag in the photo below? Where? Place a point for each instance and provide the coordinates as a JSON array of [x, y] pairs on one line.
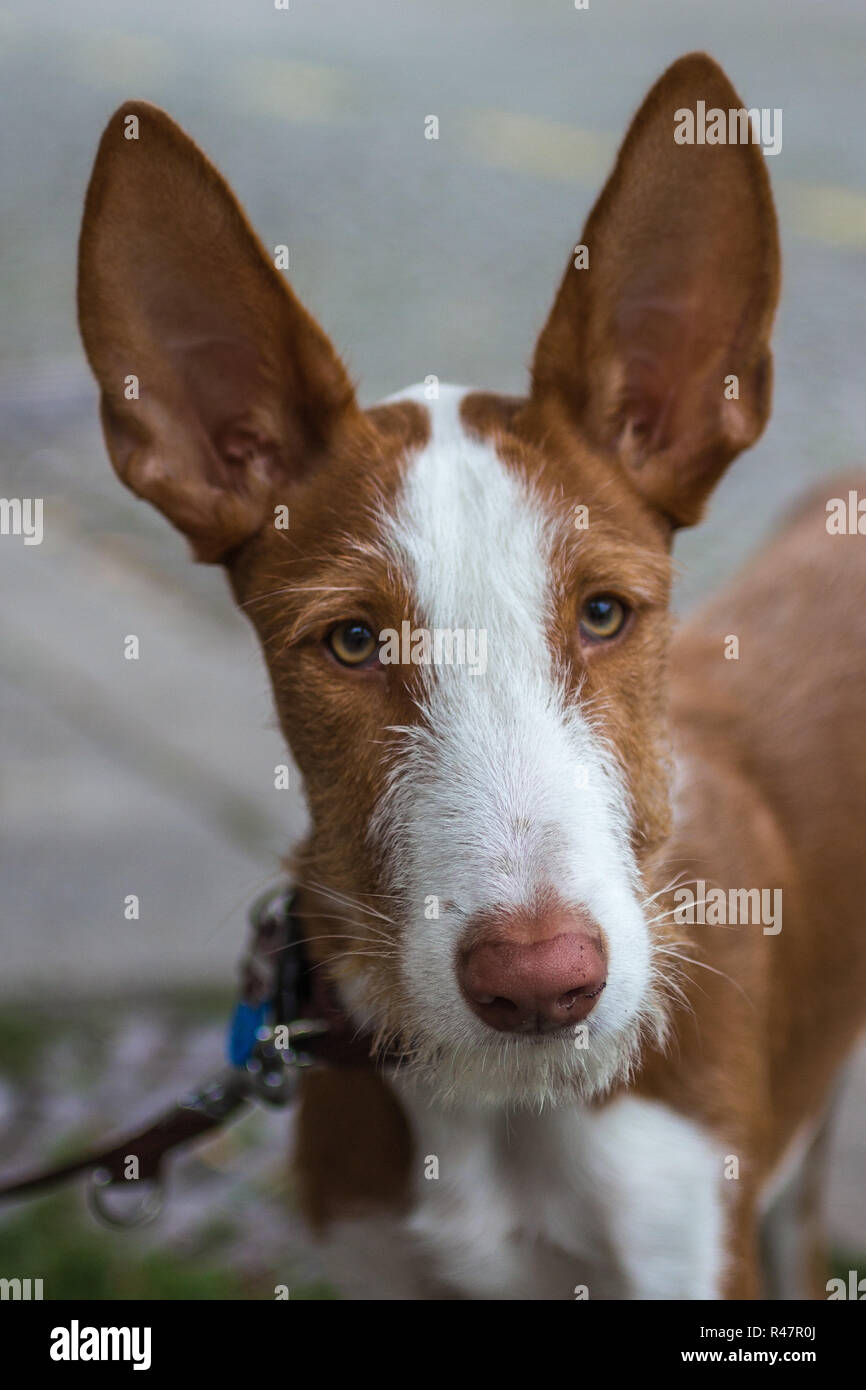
[[245, 1024]]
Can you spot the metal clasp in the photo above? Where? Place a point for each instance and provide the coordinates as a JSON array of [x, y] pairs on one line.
[[271, 1070], [127, 1210]]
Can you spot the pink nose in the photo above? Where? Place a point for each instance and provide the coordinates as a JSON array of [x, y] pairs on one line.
[[534, 975]]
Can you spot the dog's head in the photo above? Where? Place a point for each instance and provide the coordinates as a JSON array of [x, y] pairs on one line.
[[462, 598]]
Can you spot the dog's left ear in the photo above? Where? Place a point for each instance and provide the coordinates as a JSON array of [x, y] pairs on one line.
[[658, 341]]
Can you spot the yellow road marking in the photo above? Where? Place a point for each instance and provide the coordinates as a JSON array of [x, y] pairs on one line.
[[291, 90], [826, 213], [533, 145]]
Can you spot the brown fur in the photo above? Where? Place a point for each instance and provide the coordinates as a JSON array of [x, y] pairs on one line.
[[354, 1147]]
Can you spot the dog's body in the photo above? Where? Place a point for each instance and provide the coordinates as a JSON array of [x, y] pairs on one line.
[[592, 1099]]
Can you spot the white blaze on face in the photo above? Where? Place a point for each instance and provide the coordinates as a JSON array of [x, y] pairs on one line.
[[503, 790]]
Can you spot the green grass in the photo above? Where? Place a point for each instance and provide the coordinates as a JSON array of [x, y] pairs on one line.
[[22, 1041], [842, 1261], [54, 1239]]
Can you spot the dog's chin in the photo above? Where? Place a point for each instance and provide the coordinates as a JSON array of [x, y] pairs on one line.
[[470, 1066], [530, 1072]]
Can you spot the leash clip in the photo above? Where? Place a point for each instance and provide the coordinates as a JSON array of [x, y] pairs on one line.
[[124, 1214]]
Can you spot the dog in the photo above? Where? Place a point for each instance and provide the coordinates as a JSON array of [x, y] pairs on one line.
[[581, 1091]]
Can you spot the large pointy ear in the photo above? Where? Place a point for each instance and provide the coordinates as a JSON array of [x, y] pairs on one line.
[[659, 346], [217, 386]]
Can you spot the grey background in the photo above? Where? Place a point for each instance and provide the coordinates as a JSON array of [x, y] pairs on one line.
[[156, 777]]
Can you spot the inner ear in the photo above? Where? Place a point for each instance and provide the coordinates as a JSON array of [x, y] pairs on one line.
[[217, 386]]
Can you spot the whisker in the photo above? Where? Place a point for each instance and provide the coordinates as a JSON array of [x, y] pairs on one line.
[[703, 966], [348, 955], [300, 589], [348, 901]]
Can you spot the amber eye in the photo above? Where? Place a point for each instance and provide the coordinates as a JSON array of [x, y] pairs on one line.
[[602, 617], [352, 643]]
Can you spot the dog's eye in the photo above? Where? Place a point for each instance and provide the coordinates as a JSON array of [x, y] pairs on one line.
[[602, 617], [352, 643]]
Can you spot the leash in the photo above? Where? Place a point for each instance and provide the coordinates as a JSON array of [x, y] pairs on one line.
[[286, 1019]]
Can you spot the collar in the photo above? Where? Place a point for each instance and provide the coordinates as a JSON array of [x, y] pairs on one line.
[[285, 992]]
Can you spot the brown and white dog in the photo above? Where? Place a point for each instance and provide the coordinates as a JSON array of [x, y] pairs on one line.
[[591, 1095]]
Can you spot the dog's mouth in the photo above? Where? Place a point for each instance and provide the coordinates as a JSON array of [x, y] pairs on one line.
[[530, 1068], [529, 1035], [526, 1070]]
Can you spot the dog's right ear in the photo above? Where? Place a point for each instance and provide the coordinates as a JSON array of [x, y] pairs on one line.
[[217, 387]]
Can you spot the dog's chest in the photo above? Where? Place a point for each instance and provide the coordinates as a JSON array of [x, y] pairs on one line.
[[620, 1202]]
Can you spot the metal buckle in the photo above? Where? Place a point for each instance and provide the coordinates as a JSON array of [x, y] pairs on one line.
[[271, 1072], [149, 1196]]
